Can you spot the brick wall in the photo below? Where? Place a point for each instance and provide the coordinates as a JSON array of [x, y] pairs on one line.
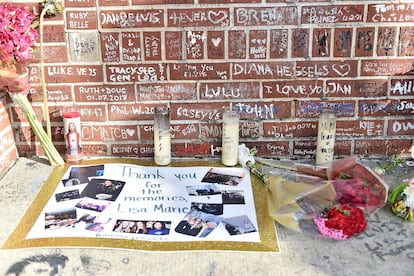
[[8, 150], [278, 61]]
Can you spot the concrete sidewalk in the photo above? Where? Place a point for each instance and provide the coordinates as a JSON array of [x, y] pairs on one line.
[[386, 247]]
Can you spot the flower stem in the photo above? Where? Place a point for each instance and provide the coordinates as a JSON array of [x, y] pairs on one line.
[[42, 75], [51, 152]]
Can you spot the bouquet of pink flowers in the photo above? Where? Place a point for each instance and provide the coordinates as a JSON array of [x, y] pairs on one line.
[[17, 37]]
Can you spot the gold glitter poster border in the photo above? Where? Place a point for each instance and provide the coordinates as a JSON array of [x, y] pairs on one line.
[[267, 231]]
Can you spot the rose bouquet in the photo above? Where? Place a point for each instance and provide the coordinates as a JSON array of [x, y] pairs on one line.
[[332, 200], [341, 222], [18, 35]]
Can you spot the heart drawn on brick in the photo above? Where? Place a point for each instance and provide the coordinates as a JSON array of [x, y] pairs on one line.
[[216, 41], [217, 17], [130, 132], [342, 69]]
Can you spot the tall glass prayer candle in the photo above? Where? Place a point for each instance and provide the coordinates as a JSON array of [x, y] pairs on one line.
[[230, 137], [72, 133], [162, 136], [326, 136]]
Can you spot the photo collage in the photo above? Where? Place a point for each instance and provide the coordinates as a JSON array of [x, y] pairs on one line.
[[88, 192]]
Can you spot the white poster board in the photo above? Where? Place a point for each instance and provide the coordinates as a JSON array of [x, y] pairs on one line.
[[144, 203]]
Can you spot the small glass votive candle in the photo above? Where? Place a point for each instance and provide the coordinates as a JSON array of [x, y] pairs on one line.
[[230, 137], [72, 133], [326, 136], [162, 136]]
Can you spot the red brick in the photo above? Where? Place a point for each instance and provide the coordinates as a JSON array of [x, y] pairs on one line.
[[135, 72], [290, 129], [400, 127], [166, 91], [402, 87], [387, 37], [81, 20], [55, 53], [360, 128], [7, 141], [313, 69], [211, 131], [131, 48], [403, 107], [215, 45], [152, 45], [194, 44], [132, 150], [342, 42], [19, 116], [132, 18], [173, 45], [293, 89], [262, 70], [109, 133], [196, 149], [110, 47], [197, 111], [93, 113], [300, 43], [131, 112], [279, 43], [366, 88], [178, 131], [7, 160], [219, 17], [115, 3], [4, 119], [365, 41], [195, 71], [265, 16], [332, 14], [270, 148], [104, 93], [54, 33], [382, 146], [95, 149], [321, 42], [311, 108], [73, 73], [390, 12], [145, 2], [406, 45], [84, 3], [258, 44], [55, 93], [237, 44], [264, 110], [387, 67], [230, 90]]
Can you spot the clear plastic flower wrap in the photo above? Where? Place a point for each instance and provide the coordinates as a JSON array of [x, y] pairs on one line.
[[331, 199]]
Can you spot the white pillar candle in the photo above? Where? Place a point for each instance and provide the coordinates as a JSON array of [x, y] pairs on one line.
[[326, 137], [230, 137], [72, 133], [162, 136]]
